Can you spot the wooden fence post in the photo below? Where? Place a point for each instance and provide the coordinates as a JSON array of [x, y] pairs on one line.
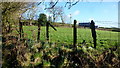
[[21, 29], [47, 30], [74, 35], [92, 26]]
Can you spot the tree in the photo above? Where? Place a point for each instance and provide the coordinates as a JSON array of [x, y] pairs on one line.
[[11, 11], [31, 14], [54, 10], [42, 19], [61, 14], [57, 13]]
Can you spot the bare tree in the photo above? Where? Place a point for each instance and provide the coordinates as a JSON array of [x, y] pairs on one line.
[[57, 13], [53, 11], [61, 14], [31, 14]]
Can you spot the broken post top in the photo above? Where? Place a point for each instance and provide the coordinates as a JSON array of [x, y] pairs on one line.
[[92, 24], [75, 21], [52, 26]]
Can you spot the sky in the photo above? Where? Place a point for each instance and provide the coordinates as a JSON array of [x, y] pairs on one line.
[[105, 14]]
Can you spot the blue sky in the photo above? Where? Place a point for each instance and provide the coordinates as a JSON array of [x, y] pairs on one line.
[[86, 11], [98, 11]]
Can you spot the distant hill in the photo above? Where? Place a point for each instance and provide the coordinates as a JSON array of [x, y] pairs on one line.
[[109, 29]]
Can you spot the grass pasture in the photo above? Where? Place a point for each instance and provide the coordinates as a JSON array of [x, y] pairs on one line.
[[60, 48], [65, 35]]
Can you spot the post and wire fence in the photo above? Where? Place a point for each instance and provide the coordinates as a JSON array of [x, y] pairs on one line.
[[92, 27]]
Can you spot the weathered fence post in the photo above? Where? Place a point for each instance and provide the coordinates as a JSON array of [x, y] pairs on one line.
[[21, 29], [74, 35], [47, 30], [92, 26]]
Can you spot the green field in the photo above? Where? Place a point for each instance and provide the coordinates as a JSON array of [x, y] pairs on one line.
[[65, 35], [60, 47]]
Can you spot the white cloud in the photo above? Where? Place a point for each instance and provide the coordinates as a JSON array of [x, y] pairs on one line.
[[68, 15], [47, 14], [72, 15], [77, 12]]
